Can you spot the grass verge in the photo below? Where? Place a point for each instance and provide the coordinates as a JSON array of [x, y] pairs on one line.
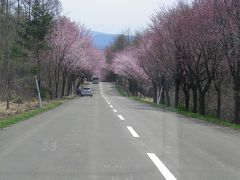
[[181, 111], [29, 114]]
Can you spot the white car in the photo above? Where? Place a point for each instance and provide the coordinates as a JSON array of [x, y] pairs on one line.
[[86, 91]]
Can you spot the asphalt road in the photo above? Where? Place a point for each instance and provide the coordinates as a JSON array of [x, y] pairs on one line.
[[109, 137]]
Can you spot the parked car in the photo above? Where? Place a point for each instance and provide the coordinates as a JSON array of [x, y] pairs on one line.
[[86, 91], [95, 80]]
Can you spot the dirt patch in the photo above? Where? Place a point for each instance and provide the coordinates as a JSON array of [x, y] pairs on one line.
[[17, 108]]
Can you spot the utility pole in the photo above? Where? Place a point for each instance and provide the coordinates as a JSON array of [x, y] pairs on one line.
[[39, 94]]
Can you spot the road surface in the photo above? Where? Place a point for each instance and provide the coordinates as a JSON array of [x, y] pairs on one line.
[[109, 137]]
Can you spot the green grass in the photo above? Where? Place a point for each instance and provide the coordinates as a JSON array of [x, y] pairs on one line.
[[29, 114], [121, 91], [180, 110]]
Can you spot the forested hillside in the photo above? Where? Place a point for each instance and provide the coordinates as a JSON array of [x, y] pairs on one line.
[[102, 40]]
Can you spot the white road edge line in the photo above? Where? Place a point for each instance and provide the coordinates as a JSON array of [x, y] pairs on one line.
[[161, 167], [121, 117], [115, 110], [133, 132], [100, 85]]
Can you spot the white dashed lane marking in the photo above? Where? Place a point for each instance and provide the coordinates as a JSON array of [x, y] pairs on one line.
[[133, 132], [161, 167], [121, 117], [157, 162]]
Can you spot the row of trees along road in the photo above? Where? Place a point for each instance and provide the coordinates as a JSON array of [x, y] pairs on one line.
[[35, 40], [189, 52]]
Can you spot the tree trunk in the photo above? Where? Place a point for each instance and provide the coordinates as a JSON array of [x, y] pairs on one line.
[[50, 88], [63, 84], [186, 96], [124, 83], [69, 88], [80, 81], [237, 107], [8, 84], [155, 89], [187, 99], [195, 99], [56, 77], [50, 85], [8, 90], [121, 81], [162, 95], [18, 10], [132, 87], [8, 104], [118, 81], [219, 104], [177, 89], [202, 103], [168, 98], [39, 71], [163, 82], [56, 89]]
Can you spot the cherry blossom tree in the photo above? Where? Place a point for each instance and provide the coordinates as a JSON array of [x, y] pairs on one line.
[[192, 46], [152, 56], [126, 65], [170, 23], [72, 54], [197, 54], [227, 16]]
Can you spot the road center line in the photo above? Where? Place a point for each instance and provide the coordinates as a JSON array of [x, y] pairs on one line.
[[111, 106], [115, 110], [161, 167], [121, 117], [133, 132]]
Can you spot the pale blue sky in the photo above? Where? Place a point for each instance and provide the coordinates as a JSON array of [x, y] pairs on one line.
[[113, 16]]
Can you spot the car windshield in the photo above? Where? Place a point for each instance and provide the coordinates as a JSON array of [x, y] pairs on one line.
[[86, 89]]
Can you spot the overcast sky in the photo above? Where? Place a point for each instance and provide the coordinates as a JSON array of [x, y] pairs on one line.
[[113, 16]]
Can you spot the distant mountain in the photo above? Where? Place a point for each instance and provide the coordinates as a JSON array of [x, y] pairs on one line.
[[102, 40]]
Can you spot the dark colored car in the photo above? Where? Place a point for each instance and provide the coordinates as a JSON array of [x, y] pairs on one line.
[[95, 80]]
